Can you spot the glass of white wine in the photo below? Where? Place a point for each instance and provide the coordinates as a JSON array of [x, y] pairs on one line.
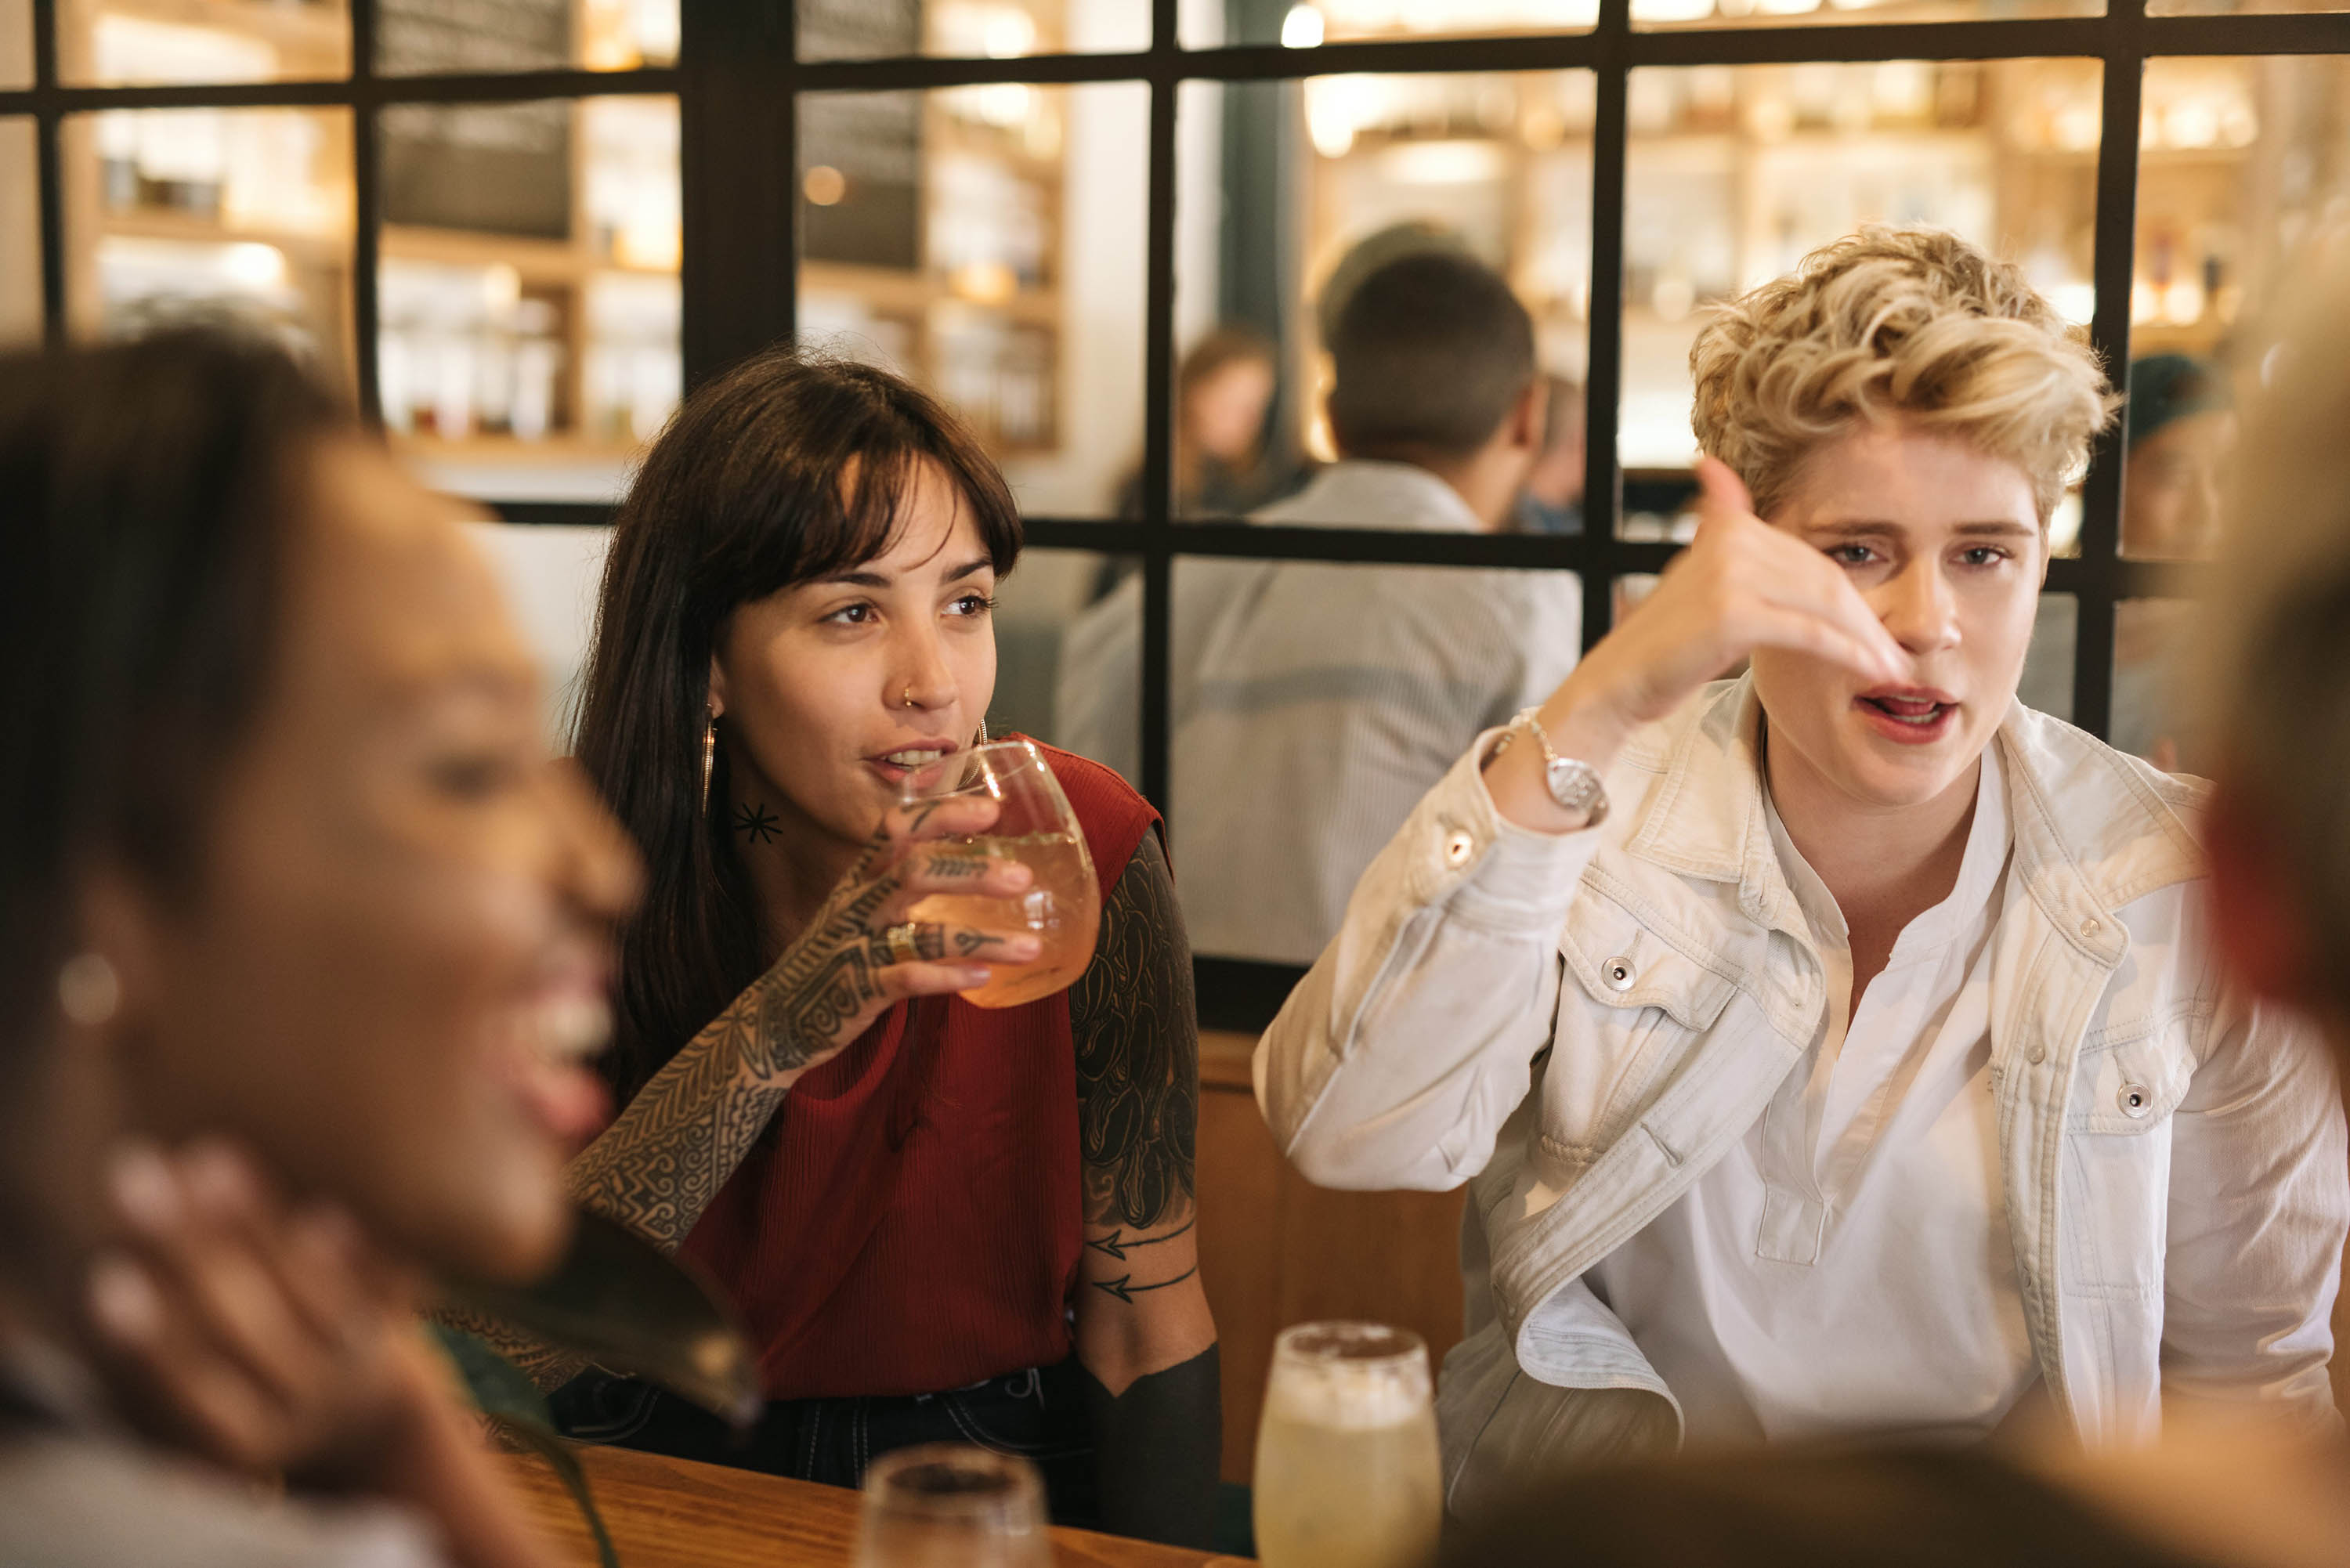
[[1033, 824], [952, 1505], [1346, 1469]]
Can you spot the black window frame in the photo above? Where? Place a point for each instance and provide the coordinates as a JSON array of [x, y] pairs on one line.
[[738, 81]]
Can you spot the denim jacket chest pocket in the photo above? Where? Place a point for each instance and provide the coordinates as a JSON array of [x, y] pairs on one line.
[[2127, 1086], [1635, 998]]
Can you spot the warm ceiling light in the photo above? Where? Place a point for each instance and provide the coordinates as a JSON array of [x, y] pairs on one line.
[[824, 185], [1301, 28]]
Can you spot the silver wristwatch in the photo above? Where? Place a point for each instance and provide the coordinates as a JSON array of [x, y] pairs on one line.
[[1573, 784]]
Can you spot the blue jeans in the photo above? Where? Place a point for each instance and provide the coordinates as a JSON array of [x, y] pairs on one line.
[[1039, 1414]]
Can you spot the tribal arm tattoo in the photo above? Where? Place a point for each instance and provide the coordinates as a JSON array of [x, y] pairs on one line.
[[663, 1161], [1138, 1044]]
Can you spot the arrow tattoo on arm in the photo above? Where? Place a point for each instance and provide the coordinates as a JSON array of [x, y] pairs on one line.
[[1125, 1292], [1116, 1246]]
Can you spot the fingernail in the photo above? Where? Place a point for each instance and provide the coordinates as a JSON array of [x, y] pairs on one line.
[[123, 1300], [975, 975], [329, 1229], [217, 1177], [1018, 874], [1022, 948], [143, 1188]]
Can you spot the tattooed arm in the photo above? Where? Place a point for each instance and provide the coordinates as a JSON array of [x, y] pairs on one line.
[[1144, 1334], [664, 1158]]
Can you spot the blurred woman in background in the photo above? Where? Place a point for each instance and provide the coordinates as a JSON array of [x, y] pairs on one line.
[[292, 901]]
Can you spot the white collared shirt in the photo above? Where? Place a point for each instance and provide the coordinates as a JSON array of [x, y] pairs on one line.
[[1314, 703], [1847, 1265]]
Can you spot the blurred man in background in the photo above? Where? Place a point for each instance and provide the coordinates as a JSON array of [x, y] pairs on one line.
[[1311, 703]]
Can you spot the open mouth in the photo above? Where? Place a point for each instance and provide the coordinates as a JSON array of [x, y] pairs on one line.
[[558, 1038], [1912, 718], [906, 761]]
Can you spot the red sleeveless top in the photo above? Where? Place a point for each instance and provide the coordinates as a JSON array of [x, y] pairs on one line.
[[910, 1222]]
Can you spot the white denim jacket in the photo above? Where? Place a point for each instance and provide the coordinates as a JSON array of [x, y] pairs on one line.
[[1584, 1024]]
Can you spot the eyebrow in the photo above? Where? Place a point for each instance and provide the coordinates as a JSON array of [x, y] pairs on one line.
[[860, 579], [1988, 528]]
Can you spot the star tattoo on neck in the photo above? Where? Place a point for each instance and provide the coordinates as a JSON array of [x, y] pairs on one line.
[[756, 821]]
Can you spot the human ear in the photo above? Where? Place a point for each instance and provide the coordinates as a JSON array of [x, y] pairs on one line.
[[717, 686], [1527, 419]]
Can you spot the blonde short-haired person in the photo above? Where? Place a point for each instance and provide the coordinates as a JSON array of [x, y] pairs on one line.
[[1838, 1049]]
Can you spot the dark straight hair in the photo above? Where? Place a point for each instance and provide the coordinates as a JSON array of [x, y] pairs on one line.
[[786, 468], [144, 494]]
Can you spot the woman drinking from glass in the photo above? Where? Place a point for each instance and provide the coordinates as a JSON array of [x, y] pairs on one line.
[[941, 1221]]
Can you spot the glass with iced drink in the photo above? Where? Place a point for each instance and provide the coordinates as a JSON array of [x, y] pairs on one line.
[[1034, 825], [1346, 1469]]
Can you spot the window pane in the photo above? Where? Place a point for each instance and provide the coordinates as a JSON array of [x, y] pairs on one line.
[[551, 575], [1313, 704], [2237, 7], [2149, 636], [1695, 14], [1302, 24], [20, 235], [104, 43], [2047, 682], [1056, 612], [987, 241], [2238, 159], [176, 214], [421, 37], [529, 297], [16, 43], [969, 30], [1291, 194], [1735, 173]]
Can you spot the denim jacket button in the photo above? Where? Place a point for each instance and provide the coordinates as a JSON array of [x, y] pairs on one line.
[[1458, 846], [2091, 927], [1617, 974], [2134, 1100], [2037, 1054]]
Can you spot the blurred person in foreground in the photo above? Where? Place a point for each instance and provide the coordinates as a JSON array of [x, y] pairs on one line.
[[1314, 703], [303, 938], [1840, 1050], [2271, 705]]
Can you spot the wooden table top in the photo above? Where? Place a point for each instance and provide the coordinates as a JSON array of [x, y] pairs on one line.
[[675, 1514]]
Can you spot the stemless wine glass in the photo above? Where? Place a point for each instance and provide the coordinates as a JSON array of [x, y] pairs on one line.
[[1346, 1469], [950, 1505], [1035, 825]]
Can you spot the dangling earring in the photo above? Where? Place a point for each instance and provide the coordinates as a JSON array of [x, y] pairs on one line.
[[89, 990], [709, 758], [982, 731]]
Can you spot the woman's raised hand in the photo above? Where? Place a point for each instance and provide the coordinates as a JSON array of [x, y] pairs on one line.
[[862, 954], [1742, 585]]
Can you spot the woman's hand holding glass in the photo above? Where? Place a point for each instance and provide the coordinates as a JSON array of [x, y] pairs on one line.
[[864, 952], [1742, 585]]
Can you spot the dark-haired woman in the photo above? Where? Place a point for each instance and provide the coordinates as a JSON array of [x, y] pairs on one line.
[[941, 1222], [301, 935]]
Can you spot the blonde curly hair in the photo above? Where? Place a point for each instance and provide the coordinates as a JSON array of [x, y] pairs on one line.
[[1908, 324]]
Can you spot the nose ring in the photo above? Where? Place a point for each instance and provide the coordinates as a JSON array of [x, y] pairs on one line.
[[906, 698]]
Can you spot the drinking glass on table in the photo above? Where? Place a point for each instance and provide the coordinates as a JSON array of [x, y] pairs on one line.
[[1034, 825], [1346, 1469], [952, 1505]]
